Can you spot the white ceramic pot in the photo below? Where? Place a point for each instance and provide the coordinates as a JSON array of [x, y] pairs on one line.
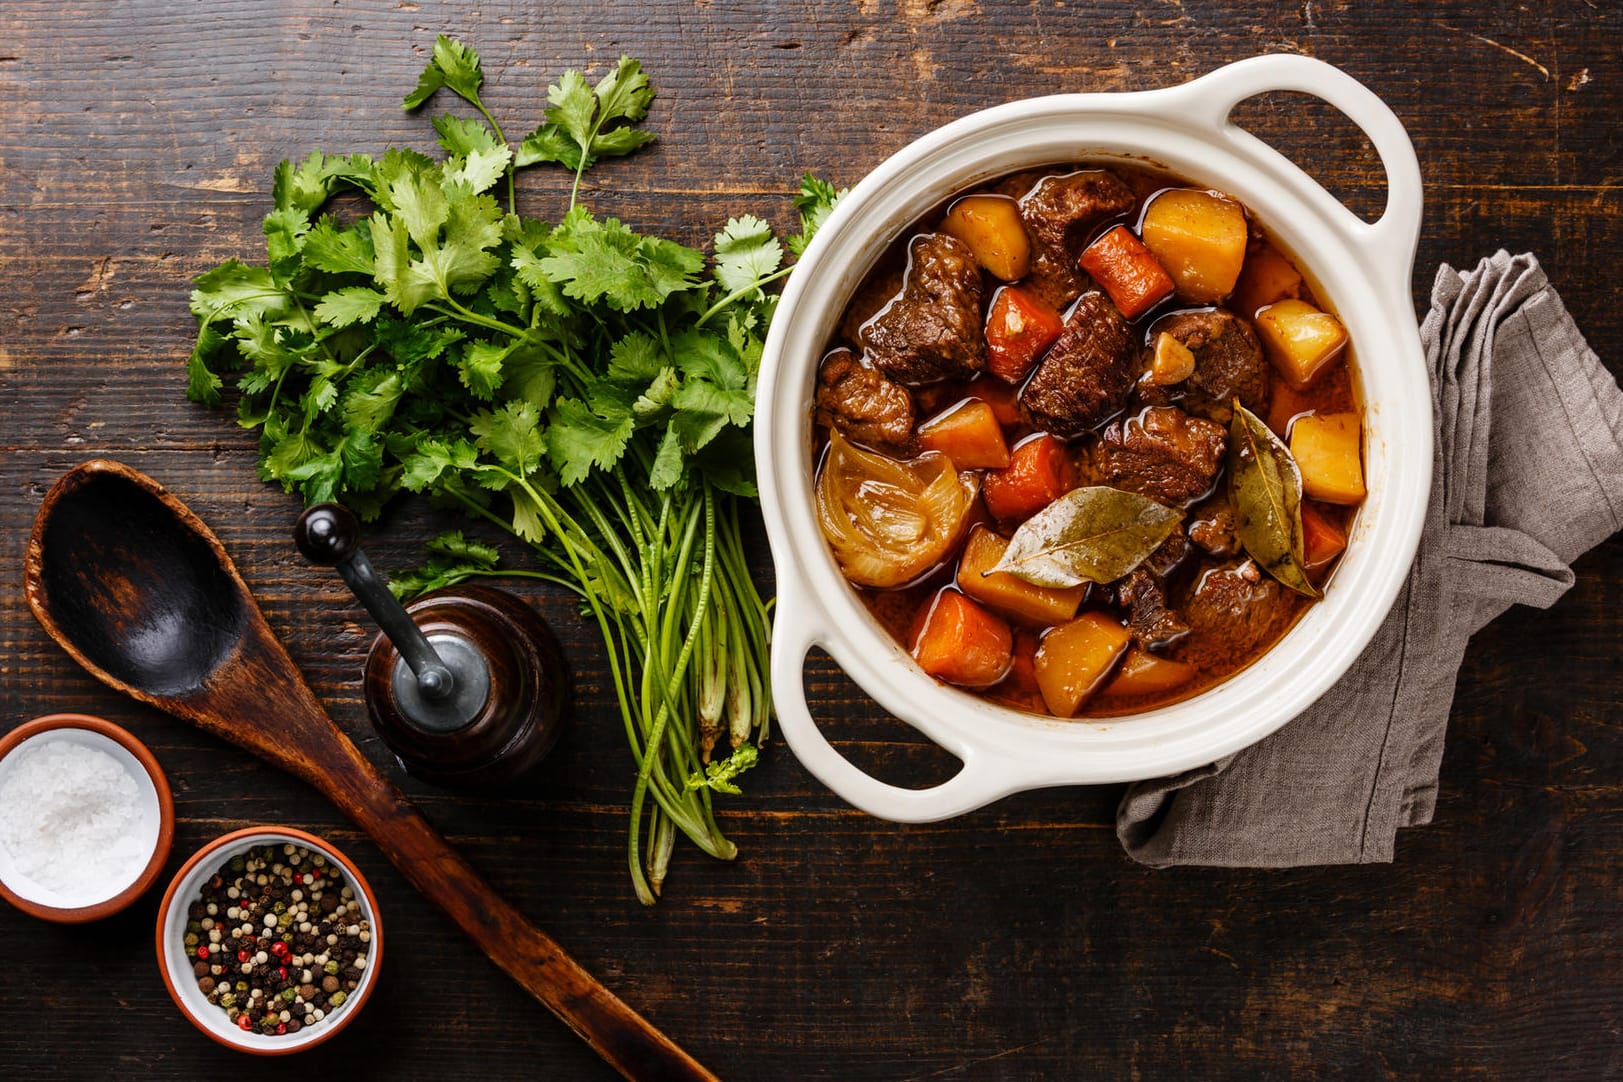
[[1361, 270]]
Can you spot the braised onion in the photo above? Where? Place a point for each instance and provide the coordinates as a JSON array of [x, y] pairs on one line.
[[890, 521]]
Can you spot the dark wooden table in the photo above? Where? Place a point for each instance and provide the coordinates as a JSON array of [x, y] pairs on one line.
[[136, 144]]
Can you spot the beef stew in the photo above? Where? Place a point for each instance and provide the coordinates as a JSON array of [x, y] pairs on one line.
[[1088, 443]]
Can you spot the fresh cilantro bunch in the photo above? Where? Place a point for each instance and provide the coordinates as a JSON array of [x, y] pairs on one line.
[[584, 387]]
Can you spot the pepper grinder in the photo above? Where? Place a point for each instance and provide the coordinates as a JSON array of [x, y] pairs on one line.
[[466, 685]]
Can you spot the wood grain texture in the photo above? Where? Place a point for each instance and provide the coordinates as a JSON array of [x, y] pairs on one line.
[[136, 142]]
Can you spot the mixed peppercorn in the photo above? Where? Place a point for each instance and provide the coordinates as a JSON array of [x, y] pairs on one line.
[[278, 939]]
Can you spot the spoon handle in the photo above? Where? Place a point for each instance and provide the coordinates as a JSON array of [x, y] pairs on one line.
[[616, 1032]]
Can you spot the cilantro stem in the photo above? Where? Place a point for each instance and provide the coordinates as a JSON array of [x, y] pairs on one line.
[[468, 315], [741, 292], [512, 192]]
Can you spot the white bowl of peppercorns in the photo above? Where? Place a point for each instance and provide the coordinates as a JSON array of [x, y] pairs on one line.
[[268, 940]]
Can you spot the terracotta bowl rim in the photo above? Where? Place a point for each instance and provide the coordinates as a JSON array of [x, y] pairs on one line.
[[374, 953], [166, 816]]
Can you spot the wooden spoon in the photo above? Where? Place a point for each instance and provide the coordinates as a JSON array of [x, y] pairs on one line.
[[140, 592]]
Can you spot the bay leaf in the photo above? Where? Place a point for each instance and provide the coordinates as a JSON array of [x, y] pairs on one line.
[[1092, 534], [1265, 488]]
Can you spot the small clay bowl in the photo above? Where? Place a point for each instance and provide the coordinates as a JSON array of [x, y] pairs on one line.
[[176, 964], [157, 826]]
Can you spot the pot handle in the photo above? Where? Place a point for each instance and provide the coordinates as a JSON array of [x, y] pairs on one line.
[[797, 627], [1393, 239]]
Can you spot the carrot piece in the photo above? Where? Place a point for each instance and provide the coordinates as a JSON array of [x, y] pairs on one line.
[[1075, 658], [1129, 273], [1019, 689], [1019, 329], [1014, 597], [1002, 397], [956, 640], [1322, 538], [968, 433], [1038, 473]]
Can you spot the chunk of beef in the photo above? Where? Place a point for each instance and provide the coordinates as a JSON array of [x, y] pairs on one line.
[[1149, 617], [1228, 365], [1233, 611], [931, 329], [864, 405], [1212, 527], [1061, 213], [1162, 453], [1169, 555], [1087, 375]]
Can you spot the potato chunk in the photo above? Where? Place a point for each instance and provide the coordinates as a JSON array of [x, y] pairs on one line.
[[1266, 277], [1299, 339], [1144, 673], [1199, 237], [1075, 658], [1326, 447], [990, 225], [1012, 596]]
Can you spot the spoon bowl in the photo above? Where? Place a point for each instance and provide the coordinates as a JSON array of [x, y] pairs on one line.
[[142, 596]]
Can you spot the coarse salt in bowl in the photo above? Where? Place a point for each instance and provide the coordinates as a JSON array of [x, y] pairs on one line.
[[86, 818], [176, 965]]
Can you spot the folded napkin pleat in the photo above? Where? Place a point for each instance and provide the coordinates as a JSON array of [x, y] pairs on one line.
[[1527, 476]]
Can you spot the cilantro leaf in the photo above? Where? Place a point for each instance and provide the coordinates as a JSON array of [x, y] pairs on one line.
[[815, 201], [233, 289], [528, 522], [578, 439], [480, 170], [722, 776], [306, 186], [602, 260], [202, 385], [584, 124], [461, 136], [548, 143], [355, 304], [433, 457], [512, 433], [746, 253], [667, 470], [452, 558], [370, 402], [480, 367], [452, 65], [340, 251], [635, 358], [284, 241]]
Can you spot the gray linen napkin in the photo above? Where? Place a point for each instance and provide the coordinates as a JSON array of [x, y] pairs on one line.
[[1528, 476]]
